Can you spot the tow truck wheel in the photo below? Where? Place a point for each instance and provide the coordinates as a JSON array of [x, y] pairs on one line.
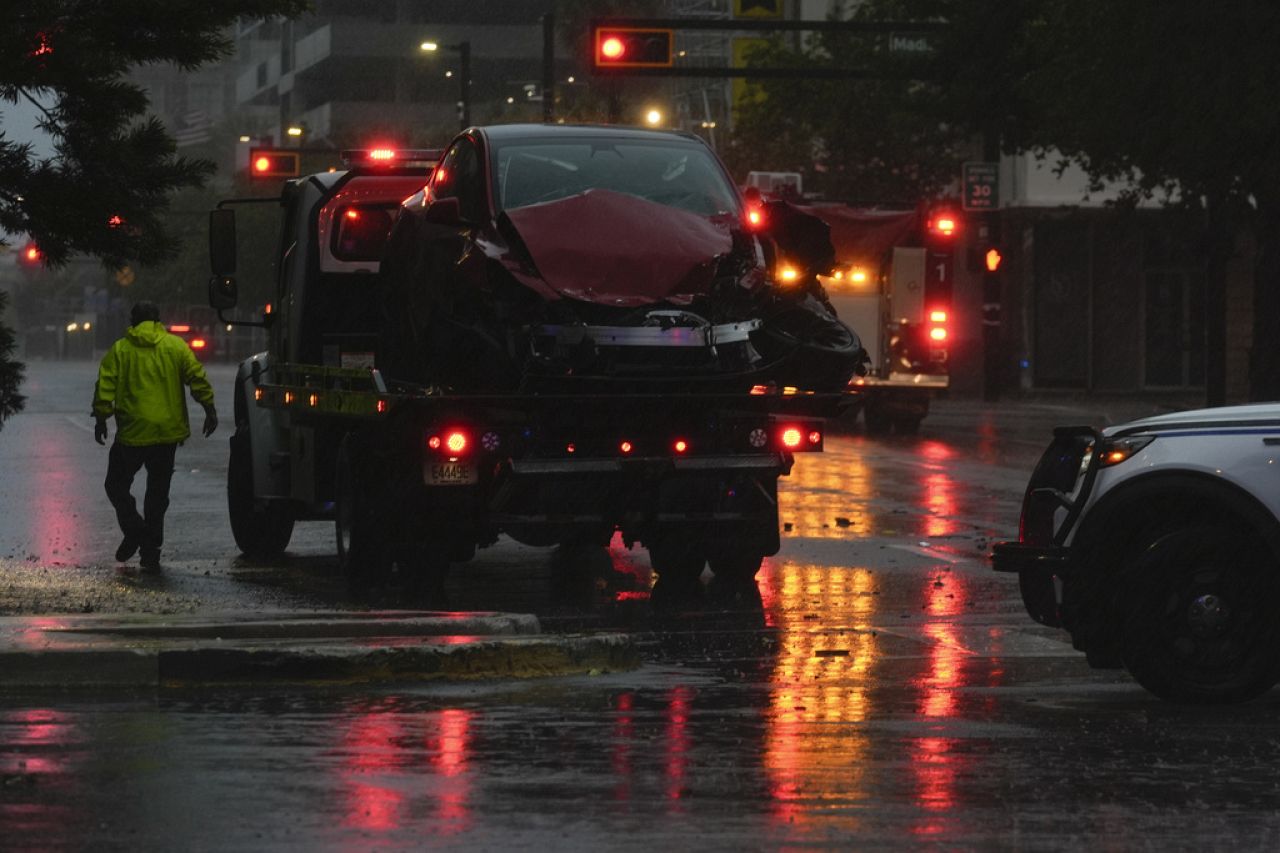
[[1200, 626], [362, 556], [260, 531], [679, 567]]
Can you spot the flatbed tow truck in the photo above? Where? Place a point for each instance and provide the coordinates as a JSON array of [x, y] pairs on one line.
[[415, 477]]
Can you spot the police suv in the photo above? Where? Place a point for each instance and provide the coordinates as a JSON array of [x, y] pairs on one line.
[[1156, 544]]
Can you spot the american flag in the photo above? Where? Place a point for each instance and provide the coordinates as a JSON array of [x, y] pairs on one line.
[[194, 129]]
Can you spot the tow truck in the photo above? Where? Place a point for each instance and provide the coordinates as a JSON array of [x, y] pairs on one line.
[[415, 475]]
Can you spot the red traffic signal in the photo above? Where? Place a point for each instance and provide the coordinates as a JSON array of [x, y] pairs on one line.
[[633, 47], [273, 163], [31, 254]]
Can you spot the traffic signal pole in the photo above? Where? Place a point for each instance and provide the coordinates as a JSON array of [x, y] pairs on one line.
[[992, 295]]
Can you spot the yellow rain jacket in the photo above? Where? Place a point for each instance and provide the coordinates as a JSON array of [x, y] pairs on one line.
[[141, 380]]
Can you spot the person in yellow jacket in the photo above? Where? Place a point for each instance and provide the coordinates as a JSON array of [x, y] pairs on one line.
[[141, 382]]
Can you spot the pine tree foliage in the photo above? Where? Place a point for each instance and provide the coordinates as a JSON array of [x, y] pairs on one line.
[[11, 401], [105, 190]]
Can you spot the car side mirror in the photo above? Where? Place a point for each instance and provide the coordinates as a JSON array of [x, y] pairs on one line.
[[222, 241], [223, 292], [445, 211]]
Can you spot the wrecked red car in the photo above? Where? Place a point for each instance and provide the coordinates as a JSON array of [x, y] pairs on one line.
[[555, 258]]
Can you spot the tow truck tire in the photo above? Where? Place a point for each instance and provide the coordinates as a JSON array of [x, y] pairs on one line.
[[1201, 624], [260, 531], [678, 565], [362, 554]]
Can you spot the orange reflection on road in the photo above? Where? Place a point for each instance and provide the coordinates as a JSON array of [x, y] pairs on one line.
[[822, 680], [828, 494]]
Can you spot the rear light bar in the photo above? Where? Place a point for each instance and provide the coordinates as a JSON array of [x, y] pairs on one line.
[[391, 157]]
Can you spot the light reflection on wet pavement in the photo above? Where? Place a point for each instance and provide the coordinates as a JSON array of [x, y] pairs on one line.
[[888, 691]]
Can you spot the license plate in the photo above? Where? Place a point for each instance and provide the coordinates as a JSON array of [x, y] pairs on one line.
[[450, 474]]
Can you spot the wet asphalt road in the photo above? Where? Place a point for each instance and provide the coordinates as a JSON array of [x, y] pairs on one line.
[[886, 691]]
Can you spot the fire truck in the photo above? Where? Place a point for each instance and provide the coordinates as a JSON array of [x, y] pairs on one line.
[[428, 387], [892, 283]]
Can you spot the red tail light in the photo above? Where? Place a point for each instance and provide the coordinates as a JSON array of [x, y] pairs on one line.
[[626, 447], [680, 446], [177, 328], [792, 437], [456, 442]]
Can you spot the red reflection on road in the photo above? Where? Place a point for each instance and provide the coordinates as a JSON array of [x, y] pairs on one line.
[[939, 490], [36, 752], [677, 744], [379, 768], [623, 736], [371, 748], [52, 498], [933, 764], [449, 752]]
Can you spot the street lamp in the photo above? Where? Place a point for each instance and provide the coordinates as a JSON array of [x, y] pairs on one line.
[[464, 75], [653, 117]]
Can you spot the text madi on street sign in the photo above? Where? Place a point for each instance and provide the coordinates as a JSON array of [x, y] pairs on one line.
[[981, 186]]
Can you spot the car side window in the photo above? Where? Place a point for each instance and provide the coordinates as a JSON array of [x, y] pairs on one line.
[[460, 176]]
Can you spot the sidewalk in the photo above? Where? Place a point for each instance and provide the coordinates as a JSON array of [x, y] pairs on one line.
[[294, 647]]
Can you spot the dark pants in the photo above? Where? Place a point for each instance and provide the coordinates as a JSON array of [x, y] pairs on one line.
[[146, 529]]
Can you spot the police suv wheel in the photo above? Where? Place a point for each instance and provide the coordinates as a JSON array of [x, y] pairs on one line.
[[1201, 624]]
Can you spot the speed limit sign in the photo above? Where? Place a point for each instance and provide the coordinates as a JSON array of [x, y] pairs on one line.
[[981, 186]]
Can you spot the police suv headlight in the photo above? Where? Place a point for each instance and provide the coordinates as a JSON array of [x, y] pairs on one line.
[[1117, 450]]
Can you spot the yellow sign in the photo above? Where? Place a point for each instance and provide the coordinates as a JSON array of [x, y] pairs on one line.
[[757, 8]]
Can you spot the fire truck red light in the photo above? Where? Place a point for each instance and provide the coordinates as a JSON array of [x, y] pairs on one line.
[[791, 437]]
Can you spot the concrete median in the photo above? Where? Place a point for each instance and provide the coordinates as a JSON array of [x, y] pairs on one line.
[[295, 647]]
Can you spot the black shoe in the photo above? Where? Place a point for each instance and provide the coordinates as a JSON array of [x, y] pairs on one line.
[[150, 563], [128, 547]]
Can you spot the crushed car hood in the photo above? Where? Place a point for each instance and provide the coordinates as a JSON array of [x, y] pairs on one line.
[[615, 249]]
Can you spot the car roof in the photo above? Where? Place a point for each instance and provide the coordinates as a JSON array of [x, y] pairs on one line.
[[510, 132]]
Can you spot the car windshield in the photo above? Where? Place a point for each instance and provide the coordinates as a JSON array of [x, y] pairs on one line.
[[681, 175]]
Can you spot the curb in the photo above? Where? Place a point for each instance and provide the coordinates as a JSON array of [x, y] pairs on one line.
[[76, 652]]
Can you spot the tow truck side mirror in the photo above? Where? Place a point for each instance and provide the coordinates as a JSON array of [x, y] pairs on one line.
[[445, 211], [222, 241], [223, 292]]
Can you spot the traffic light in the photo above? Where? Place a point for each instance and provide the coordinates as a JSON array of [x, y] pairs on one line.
[[633, 47], [273, 163], [992, 259], [31, 255]]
